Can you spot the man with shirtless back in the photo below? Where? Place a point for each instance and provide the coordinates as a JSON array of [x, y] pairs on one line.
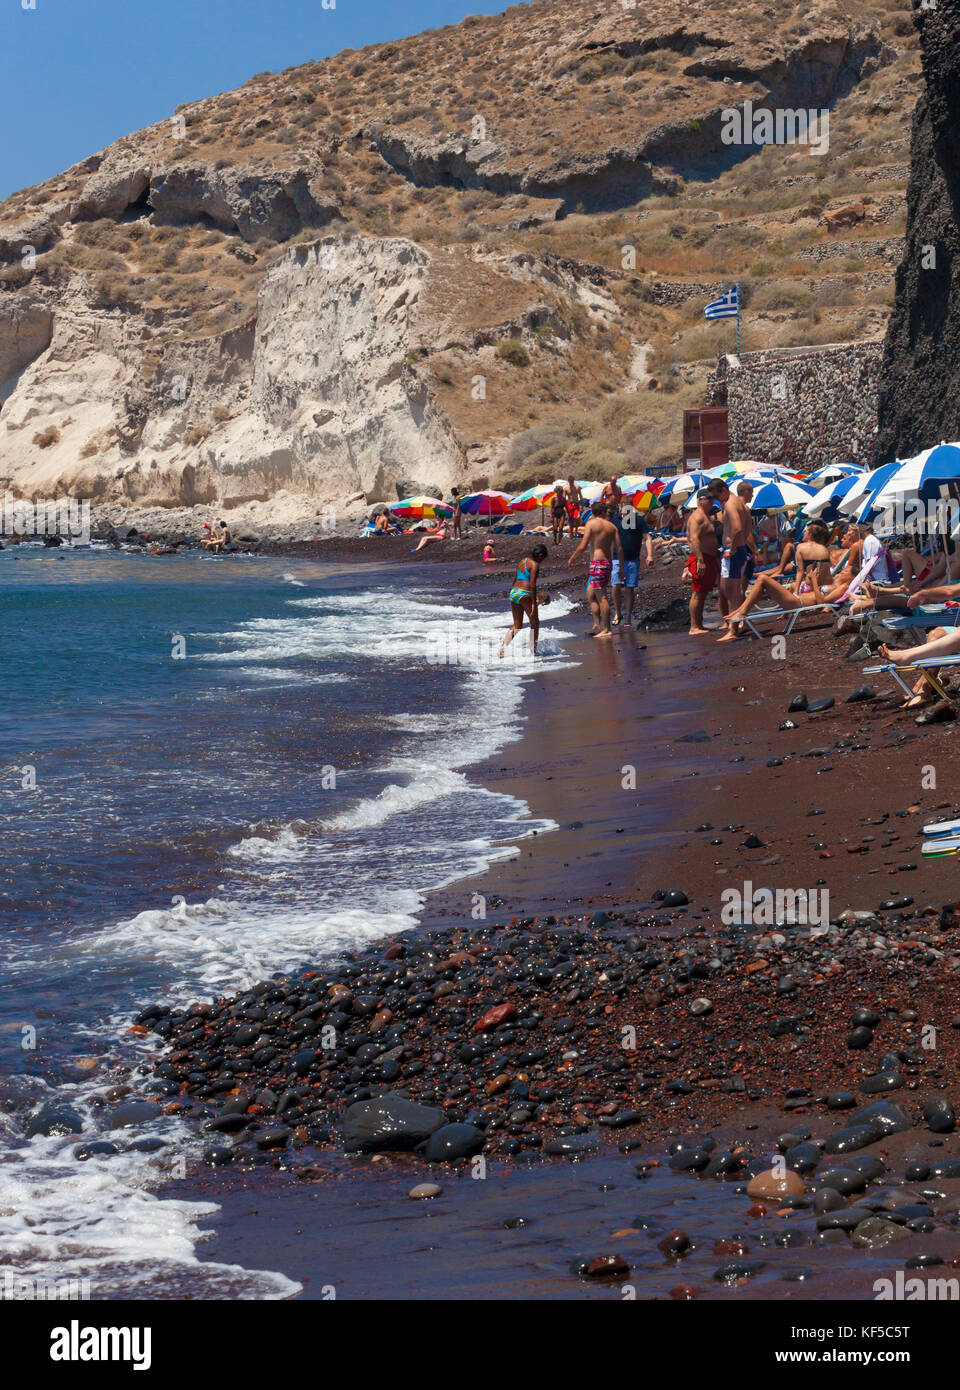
[[736, 545], [602, 537], [702, 564]]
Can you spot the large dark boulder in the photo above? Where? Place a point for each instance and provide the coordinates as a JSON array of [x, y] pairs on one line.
[[389, 1122], [919, 401]]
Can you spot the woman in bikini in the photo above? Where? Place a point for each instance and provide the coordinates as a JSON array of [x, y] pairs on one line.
[[558, 513], [813, 566], [523, 597]]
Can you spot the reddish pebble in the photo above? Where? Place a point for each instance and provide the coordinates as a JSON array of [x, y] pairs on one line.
[[684, 1292], [502, 1013]]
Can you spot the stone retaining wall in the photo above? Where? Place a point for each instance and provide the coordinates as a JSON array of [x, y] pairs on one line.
[[803, 407]]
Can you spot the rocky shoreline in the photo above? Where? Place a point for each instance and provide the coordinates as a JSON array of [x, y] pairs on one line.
[[562, 1039]]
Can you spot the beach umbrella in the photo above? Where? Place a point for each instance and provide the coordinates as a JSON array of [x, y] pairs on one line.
[[833, 472], [676, 490], [643, 501], [418, 508], [533, 498], [724, 470], [779, 495], [635, 482], [758, 473], [927, 476], [865, 486], [823, 506], [486, 503]]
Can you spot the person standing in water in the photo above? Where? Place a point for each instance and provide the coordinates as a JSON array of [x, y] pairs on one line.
[[602, 537], [523, 597]]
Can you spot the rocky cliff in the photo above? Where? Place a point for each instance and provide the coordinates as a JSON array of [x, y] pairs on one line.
[[387, 267], [920, 374]]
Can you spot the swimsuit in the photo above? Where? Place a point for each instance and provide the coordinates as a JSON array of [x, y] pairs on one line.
[[703, 583], [600, 573], [517, 595], [735, 564]]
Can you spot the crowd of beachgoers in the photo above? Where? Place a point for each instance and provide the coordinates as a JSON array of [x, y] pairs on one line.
[[762, 547]]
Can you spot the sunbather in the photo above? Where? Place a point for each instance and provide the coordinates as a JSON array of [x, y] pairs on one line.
[[764, 586], [942, 642]]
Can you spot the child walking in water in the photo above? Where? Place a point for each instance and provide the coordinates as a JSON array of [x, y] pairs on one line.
[[523, 597]]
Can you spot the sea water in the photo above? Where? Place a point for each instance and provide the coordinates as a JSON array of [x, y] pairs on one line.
[[212, 770]]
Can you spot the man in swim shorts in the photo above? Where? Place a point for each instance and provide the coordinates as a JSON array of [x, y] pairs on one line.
[[637, 543], [702, 565], [737, 534], [602, 537]]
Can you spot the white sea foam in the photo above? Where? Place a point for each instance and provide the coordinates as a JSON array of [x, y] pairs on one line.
[[311, 889]]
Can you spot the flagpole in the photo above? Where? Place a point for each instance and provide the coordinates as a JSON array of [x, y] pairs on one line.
[[738, 318]]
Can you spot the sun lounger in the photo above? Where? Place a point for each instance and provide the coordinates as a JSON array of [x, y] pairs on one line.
[[926, 667], [927, 615], [792, 614]]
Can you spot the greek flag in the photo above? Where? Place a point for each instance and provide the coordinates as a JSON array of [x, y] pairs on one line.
[[726, 307]]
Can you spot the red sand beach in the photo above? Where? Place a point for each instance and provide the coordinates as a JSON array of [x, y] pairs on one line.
[[842, 811]]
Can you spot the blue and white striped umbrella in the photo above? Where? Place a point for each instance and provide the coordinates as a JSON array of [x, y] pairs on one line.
[[862, 503], [927, 476], [832, 472], [678, 489], [779, 495], [823, 506]]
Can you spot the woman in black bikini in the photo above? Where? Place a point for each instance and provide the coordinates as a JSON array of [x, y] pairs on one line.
[[523, 597], [558, 513]]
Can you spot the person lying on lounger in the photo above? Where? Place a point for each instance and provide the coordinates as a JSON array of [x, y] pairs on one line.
[[942, 642], [816, 562]]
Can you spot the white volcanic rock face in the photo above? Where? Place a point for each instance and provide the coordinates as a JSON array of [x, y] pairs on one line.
[[314, 397]]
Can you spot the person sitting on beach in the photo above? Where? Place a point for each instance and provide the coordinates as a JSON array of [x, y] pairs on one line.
[[382, 524], [558, 513], [439, 533], [601, 536], [765, 586], [219, 539], [769, 535], [489, 554], [523, 597], [669, 519], [922, 588], [813, 553], [207, 537], [702, 566]]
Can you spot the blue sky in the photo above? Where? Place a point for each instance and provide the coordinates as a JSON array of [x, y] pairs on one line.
[[77, 74]]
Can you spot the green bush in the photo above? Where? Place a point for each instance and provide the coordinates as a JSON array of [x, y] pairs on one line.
[[513, 351]]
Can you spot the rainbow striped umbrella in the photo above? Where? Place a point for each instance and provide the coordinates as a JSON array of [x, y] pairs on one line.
[[486, 503], [540, 496], [418, 508]]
